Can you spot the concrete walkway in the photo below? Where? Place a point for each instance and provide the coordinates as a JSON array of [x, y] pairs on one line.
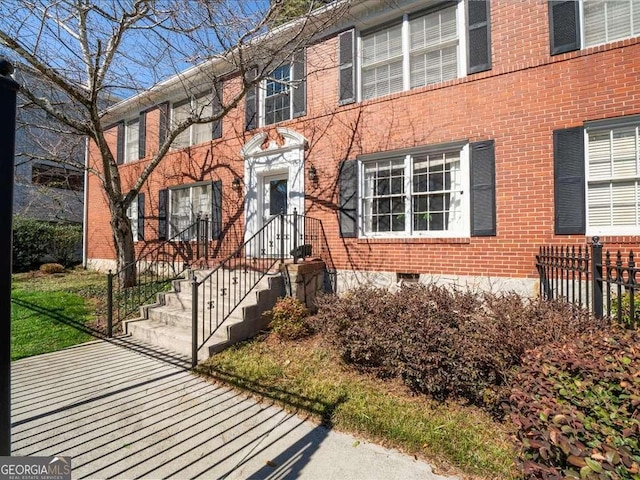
[[122, 410]]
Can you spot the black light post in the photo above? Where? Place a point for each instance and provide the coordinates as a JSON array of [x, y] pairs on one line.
[[8, 92]]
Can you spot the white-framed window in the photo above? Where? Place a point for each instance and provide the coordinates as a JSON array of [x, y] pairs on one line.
[[277, 95], [605, 21], [613, 180], [196, 106], [420, 49], [132, 133], [421, 194], [185, 204]]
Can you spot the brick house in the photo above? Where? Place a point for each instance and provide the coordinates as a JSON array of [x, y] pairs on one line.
[[445, 140]]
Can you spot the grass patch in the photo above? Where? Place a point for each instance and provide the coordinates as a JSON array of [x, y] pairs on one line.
[[305, 376], [51, 312]]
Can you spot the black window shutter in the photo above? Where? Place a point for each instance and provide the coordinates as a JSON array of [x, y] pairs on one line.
[[346, 84], [251, 102], [564, 26], [120, 144], [142, 135], [299, 85], [479, 36], [483, 189], [141, 216], [216, 210], [216, 126], [569, 181], [164, 122], [163, 219], [348, 201]]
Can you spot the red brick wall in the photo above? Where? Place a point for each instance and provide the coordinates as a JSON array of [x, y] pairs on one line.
[[519, 103]]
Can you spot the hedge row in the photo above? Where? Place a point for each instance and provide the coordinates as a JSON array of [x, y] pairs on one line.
[[443, 342], [35, 240]]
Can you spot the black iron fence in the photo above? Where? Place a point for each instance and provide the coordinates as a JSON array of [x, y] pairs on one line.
[[592, 277]]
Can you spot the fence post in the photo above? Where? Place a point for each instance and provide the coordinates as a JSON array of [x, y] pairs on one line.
[[8, 94], [281, 237], [194, 321], [295, 235], [207, 225], [596, 261], [109, 304], [198, 236]]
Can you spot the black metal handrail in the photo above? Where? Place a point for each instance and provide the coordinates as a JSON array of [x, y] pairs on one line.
[[218, 294], [153, 271]]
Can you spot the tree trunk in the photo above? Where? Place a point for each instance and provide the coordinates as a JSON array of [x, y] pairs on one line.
[[125, 249]]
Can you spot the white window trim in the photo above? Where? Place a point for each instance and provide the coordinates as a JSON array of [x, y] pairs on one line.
[[192, 98], [582, 31], [126, 140], [190, 187], [463, 232], [262, 99], [625, 230], [406, 54]]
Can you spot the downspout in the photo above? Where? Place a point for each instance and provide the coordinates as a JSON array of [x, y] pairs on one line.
[[85, 204]]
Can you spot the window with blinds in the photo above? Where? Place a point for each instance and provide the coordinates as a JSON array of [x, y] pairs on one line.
[[431, 52], [613, 175], [433, 47], [382, 59], [609, 20]]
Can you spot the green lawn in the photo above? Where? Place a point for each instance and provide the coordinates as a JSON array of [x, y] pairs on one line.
[[51, 312], [306, 377]]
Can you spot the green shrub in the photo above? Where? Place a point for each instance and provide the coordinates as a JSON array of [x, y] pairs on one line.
[[30, 242], [625, 316], [51, 268], [288, 318], [34, 240], [443, 342], [576, 407]]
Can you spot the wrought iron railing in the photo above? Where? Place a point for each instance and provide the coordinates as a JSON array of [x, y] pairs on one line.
[[219, 293], [606, 283], [153, 271]]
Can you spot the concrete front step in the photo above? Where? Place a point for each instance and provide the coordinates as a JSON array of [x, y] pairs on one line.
[[168, 323]]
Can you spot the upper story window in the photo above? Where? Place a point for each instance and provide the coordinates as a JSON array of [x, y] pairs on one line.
[[419, 49], [431, 52], [277, 95], [132, 132], [420, 193], [586, 23], [195, 106], [609, 20], [281, 96]]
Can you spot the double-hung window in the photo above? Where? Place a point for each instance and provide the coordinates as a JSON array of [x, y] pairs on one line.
[[186, 203], [419, 50], [197, 106], [277, 95], [609, 20], [419, 193], [132, 213], [132, 132], [587, 23], [613, 179]]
